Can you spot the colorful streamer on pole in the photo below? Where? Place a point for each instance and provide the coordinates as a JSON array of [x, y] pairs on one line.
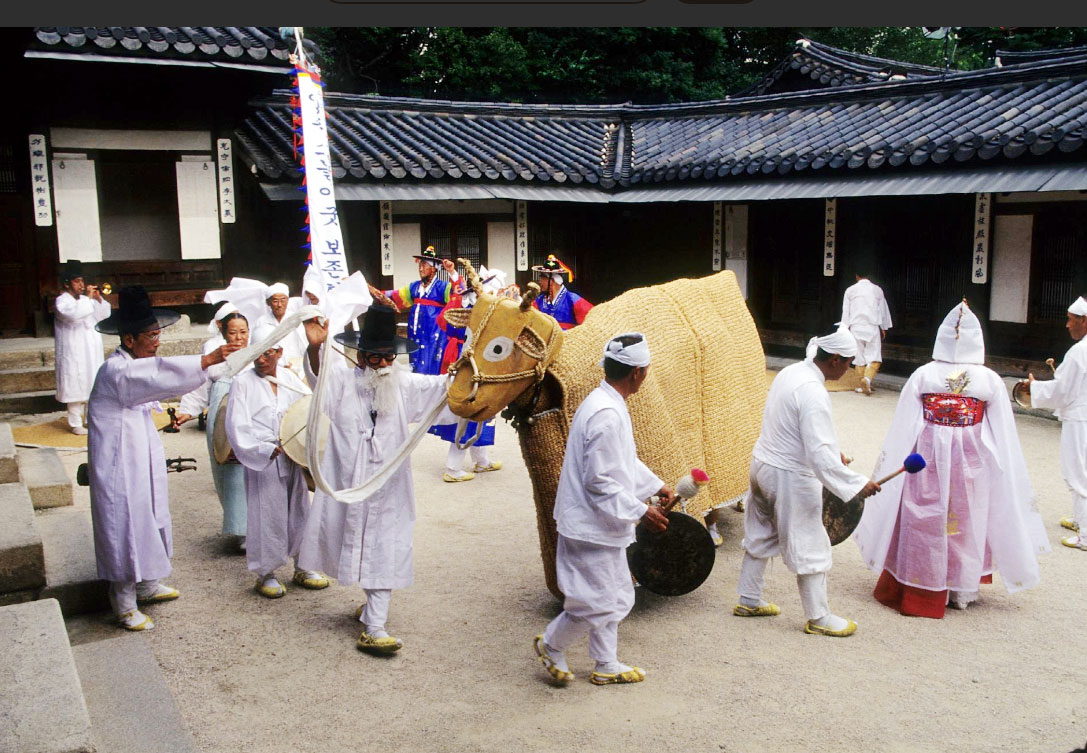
[[324, 238]]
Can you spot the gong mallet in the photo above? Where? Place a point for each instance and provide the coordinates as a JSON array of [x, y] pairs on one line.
[[913, 463], [688, 486]]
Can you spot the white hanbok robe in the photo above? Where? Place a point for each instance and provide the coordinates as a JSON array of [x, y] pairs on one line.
[[970, 509], [864, 314], [368, 543], [795, 456], [1066, 395], [133, 539], [276, 493], [78, 345], [601, 496]]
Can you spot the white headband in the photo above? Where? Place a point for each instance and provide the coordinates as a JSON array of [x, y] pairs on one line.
[[275, 289], [1079, 308], [635, 354], [224, 311], [840, 343]]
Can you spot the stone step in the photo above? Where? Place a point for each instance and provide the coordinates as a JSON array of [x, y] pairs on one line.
[[38, 401], [130, 705], [9, 465], [27, 380], [42, 471], [71, 574], [26, 353], [22, 558], [42, 708]]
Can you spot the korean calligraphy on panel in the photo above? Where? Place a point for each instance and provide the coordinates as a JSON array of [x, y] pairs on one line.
[[386, 239], [39, 181], [830, 220], [983, 209], [228, 211], [522, 236], [717, 235]]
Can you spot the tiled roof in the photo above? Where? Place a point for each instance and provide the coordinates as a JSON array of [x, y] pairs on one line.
[[830, 66], [995, 114], [237, 44], [1011, 57]]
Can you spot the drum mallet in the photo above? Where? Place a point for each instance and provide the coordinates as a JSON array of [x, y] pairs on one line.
[[688, 486], [912, 464]]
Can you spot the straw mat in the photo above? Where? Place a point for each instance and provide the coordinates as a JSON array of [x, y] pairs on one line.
[[56, 433]]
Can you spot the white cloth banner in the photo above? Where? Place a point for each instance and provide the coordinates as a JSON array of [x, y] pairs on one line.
[[39, 174], [326, 240]]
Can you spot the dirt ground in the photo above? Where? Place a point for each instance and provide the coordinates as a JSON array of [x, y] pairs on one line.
[[251, 674]]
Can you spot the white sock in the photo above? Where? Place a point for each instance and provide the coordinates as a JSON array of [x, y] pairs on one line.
[[557, 657], [832, 621], [270, 580], [612, 667], [753, 603], [377, 631]]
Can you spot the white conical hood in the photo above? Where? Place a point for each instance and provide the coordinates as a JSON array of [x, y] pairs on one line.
[[959, 339]]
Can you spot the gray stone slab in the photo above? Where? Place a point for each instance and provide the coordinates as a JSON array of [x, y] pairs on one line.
[[39, 401], [132, 709], [27, 380], [42, 707], [71, 575], [22, 561], [28, 357], [43, 473], [9, 467]]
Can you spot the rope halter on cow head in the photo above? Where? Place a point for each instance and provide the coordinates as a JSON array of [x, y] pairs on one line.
[[536, 347]]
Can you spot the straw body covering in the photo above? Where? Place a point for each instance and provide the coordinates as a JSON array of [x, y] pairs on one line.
[[1079, 308], [959, 339], [635, 354]]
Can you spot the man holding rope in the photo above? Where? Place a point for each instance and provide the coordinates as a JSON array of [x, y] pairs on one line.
[[367, 543]]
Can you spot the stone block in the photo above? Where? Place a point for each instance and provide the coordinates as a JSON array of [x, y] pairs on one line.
[[27, 380], [71, 574], [42, 471], [132, 709], [22, 560], [42, 708], [9, 467]]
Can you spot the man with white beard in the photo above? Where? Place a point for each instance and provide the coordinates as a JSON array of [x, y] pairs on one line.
[[368, 543]]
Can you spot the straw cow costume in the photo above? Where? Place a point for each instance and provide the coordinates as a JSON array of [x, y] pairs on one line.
[[133, 540], [705, 384], [368, 543], [426, 297], [275, 487], [78, 344], [935, 535], [1066, 395], [601, 497], [568, 308], [866, 316], [796, 452]]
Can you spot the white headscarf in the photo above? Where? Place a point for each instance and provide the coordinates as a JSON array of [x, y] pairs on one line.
[[312, 282], [1079, 308], [247, 295], [276, 288], [959, 339], [224, 311], [493, 280], [841, 342], [635, 354]]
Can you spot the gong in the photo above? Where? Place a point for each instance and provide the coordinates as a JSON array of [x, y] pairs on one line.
[[674, 561]]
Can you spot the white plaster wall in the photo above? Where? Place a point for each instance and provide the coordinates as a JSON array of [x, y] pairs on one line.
[[1012, 234], [407, 240], [500, 248]]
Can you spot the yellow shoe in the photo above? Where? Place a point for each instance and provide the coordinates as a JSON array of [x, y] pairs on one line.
[[270, 588], [1075, 542], [767, 610], [386, 646], [635, 674], [310, 579], [135, 621], [450, 478], [558, 675], [162, 593], [814, 629], [1070, 524], [495, 465]]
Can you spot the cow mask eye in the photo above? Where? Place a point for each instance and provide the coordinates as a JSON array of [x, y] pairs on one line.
[[498, 349]]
